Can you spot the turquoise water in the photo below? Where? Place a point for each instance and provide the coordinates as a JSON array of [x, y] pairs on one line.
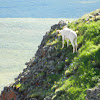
[[19, 40], [46, 8]]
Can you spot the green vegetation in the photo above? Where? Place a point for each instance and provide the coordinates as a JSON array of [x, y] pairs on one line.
[[18, 85], [75, 72], [84, 67]]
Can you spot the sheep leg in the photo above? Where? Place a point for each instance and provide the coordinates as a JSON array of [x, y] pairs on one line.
[[62, 41], [73, 48], [72, 42], [76, 48], [76, 44], [67, 42]]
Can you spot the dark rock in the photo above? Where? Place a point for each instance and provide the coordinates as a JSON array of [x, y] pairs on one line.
[[96, 14], [8, 94], [51, 62], [93, 94], [61, 24], [47, 98], [91, 16], [58, 26], [30, 63], [32, 99], [47, 33], [54, 27], [76, 22]]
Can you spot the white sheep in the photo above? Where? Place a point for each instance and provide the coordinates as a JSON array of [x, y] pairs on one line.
[[71, 35]]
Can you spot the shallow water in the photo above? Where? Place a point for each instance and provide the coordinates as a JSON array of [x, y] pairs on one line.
[[47, 8], [19, 40]]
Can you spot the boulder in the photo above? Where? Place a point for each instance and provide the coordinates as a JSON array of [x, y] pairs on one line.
[[93, 94], [8, 94]]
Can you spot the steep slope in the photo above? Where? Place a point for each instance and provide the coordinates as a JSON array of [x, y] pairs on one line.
[[58, 74]]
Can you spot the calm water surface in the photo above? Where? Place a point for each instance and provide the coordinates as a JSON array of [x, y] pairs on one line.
[[47, 8]]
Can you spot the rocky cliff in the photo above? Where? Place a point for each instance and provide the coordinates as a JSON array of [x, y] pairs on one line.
[[55, 73]]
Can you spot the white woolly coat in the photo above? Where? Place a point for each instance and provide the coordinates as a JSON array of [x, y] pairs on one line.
[[69, 35]]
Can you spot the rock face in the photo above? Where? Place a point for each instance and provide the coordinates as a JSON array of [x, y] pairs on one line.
[[93, 94], [38, 68], [8, 94], [93, 16]]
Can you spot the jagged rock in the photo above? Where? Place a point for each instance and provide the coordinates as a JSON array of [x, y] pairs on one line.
[[9, 94], [96, 14], [33, 99], [54, 27], [91, 16], [59, 25], [93, 94], [51, 62], [76, 22], [47, 98]]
